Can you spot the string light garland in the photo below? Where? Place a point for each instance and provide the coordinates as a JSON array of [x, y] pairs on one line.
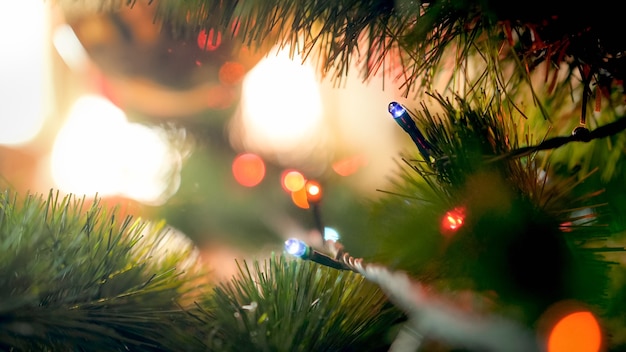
[[313, 191], [402, 117], [314, 197], [579, 134], [455, 325], [300, 249]]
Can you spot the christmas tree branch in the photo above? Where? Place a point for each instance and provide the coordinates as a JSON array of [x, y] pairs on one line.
[[288, 305], [77, 278], [580, 134], [430, 314], [409, 40]]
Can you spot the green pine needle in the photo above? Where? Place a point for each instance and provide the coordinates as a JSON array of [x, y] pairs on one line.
[[410, 40], [294, 305], [75, 277], [527, 235]]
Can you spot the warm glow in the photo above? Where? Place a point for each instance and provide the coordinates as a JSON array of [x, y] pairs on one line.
[[22, 86], [292, 180], [248, 169], [349, 166], [452, 221], [313, 191], [231, 73], [209, 41], [281, 105], [576, 332], [299, 198], [99, 151]]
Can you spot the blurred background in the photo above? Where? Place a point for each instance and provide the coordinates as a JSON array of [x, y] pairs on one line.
[[214, 137]]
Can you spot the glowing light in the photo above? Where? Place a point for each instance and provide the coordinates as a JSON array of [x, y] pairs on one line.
[[296, 247], [292, 180], [576, 332], [396, 110], [231, 73], [313, 191], [452, 221], [281, 105], [99, 151], [401, 116], [22, 86], [248, 169], [349, 166], [209, 41], [299, 198], [331, 234]]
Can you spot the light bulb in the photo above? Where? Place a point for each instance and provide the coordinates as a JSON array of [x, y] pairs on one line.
[[402, 117], [331, 234], [453, 220], [396, 110], [313, 191], [296, 247]]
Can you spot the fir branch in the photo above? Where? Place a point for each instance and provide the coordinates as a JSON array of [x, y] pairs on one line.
[[74, 277], [409, 39], [288, 305], [511, 206], [580, 134]]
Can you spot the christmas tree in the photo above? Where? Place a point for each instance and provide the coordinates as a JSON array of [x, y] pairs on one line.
[[501, 229]]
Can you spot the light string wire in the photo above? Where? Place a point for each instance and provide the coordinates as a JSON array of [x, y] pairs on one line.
[[429, 313]]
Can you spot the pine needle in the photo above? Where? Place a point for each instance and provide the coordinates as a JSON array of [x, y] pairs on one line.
[[290, 305], [522, 234], [74, 277]]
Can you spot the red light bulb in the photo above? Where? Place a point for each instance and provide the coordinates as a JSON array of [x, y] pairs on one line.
[[452, 220]]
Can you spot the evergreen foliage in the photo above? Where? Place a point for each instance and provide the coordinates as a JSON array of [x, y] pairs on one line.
[[288, 305], [420, 32], [523, 236], [75, 277], [532, 233]]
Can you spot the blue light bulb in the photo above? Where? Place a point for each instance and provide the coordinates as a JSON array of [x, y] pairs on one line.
[[402, 117], [331, 234], [296, 247], [396, 110]]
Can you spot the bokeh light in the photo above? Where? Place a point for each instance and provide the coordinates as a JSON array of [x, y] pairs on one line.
[[292, 180], [349, 166], [248, 169], [452, 221], [299, 198], [330, 234], [281, 106], [22, 87], [98, 151], [576, 332], [231, 73], [210, 40]]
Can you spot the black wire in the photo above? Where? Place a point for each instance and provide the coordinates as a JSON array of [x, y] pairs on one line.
[[580, 134]]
